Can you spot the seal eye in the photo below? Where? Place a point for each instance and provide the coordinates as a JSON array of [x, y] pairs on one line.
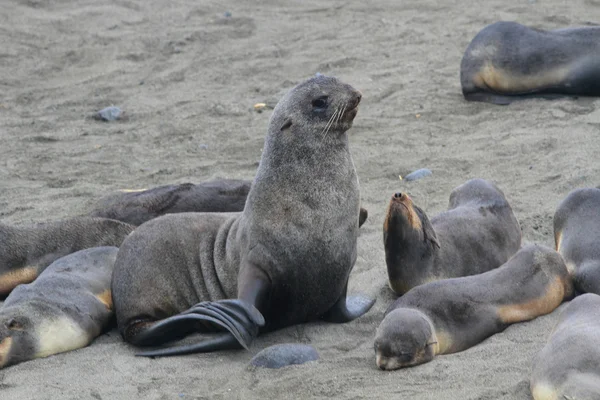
[[320, 104], [14, 325]]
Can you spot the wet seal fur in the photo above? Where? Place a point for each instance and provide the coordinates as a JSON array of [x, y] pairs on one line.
[[138, 206], [453, 315], [284, 260], [507, 61], [568, 366], [26, 251], [477, 233], [66, 308], [284, 355], [577, 237]]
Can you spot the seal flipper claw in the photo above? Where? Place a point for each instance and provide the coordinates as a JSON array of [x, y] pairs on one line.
[[349, 308]]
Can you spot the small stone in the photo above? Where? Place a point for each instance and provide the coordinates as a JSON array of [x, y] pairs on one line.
[[111, 113], [227, 14], [418, 174], [283, 355], [204, 146]]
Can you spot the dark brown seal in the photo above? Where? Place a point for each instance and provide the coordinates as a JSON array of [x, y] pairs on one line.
[[507, 61], [568, 366], [452, 315], [577, 237], [66, 308], [477, 233], [26, 251], [284, 260]]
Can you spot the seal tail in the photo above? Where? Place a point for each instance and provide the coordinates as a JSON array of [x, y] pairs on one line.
[[240, 320]]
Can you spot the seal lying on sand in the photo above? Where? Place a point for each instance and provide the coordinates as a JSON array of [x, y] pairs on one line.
[[67, 307], [138, 206], [26, 251], [507, 61], [452, 315], [479, 232], [577, 237], [284, 260], [568, 367]]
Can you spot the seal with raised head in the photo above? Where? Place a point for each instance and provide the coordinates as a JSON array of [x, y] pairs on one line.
[[284, 260], [25, 251], [477, 233], [577, 237], [66, 308], [568, 366], [507, 61], [138, 206], [452, 315]]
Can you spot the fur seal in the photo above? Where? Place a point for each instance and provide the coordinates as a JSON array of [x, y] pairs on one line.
[[477, 233], [452, 315], [284, 260], [577, 237], [568, 366], [26, 251], [138, 206], [507, 61], [67, 307]]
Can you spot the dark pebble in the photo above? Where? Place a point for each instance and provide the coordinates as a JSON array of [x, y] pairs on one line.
[[282, 355]]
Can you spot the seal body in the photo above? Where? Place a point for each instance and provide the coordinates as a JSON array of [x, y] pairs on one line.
[[26, 251], [284, 260], [568, 366], [138, 206], [507, 61], [67, 307], [452, 315], [577, 237], [477, 233]]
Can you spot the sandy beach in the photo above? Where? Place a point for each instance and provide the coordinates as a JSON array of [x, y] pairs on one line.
[[187, 75]]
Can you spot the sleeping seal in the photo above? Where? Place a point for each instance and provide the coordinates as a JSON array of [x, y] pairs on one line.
[[507, 61], [284, 260], [477, 233], [67, 307], [568, 367], [577, 237], [451, 315], [26, 251]]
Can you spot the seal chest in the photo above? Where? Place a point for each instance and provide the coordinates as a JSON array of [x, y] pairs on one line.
[[60, 334]]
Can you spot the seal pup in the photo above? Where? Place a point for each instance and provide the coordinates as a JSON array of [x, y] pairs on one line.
[[66, 308], [284, 260], [25, 251], [577, 237], [477, 233], [568, 366], [455, 314], [507, 61]]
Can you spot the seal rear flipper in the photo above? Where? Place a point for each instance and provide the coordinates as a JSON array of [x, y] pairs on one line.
[[504, 100], [224, 341], [240, 319], [349, 308]]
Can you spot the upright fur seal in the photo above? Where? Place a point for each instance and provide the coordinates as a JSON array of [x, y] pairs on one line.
[[67, 307], [284, 260], [507, 61], [479, 232], [568, 367], [577, 237], [452, 315], [137, 207], [26, 251]]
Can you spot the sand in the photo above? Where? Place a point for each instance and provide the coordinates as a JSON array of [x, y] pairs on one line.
[[187, 77]]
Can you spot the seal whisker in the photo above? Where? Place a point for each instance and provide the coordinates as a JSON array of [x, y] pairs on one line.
[[329, 123]]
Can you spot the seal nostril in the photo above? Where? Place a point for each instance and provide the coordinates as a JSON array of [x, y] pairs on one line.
[[382, 367], [398, 195]]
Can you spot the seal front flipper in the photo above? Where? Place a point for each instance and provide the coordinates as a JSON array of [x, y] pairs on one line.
[[348, 308]]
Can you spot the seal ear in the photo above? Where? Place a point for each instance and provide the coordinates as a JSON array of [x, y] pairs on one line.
[[428, 231], [286, 124], [14, 325]]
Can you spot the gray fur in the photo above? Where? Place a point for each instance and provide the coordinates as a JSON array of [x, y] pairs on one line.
[[569, 364], [477, 233], [66, 289], [298, 229], [467, 310], [39, 245], [577, 223]]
